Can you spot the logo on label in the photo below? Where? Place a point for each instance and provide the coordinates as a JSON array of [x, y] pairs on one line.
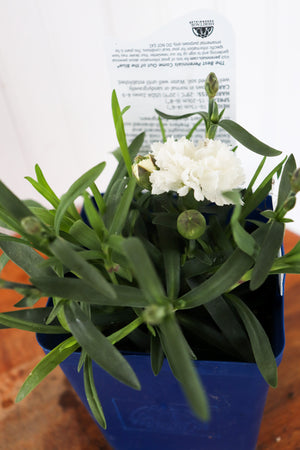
[[202, 28]]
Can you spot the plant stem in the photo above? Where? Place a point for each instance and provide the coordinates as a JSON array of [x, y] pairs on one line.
[[123, 332]]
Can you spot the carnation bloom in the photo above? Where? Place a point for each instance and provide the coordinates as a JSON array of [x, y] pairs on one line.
[[210, 168]]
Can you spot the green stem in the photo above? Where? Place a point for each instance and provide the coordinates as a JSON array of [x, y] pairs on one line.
[[123, 332]]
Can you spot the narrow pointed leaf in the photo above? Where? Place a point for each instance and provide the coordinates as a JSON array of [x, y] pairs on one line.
[[75, 191], [30, 320], [3, 261], [46, 365], [104, 353], [94, 217], [243, 240], [80, 267], [203, 114], [226, 276], [85, 235], [25, 257], [247, 139], [12, 204], [172, 259], [91, 393], [144, 270], [285, 181], [157, 354], [260, 343], [194, 128], [231, 327], [254, 178], [77, 289], [268, 252], [120, 131], [289, 263], [175, 347], [121, 170], [122, 210]]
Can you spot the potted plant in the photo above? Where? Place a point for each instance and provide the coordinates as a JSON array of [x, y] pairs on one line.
[[176, 266]]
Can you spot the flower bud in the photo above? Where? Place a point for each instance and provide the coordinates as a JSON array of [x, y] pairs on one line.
[[211, 85], [31, 225], [295, 181], [191, 224], [154, 314], [142, 168]]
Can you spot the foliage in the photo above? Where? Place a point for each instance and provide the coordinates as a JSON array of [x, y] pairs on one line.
[[133, 270]]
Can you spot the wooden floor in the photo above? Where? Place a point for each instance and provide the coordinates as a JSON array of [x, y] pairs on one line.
[[54, 419]]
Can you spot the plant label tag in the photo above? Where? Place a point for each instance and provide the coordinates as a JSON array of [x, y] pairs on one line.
[[167, 71]]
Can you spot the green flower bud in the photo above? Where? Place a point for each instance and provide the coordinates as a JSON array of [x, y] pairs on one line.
[[191, 224], [31, 225], [142, 168], [295, 181], [211, 85], [154, 314]]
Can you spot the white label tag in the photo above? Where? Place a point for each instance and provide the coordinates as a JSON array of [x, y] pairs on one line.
[[167, 71]]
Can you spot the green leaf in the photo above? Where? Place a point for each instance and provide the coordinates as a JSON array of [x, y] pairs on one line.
[[28, 301], [43, 187], [25, 257], [285, 182], [254, 178], [112, 202], [231, 327], [193, 129], [162, 129], [77, 289], [205, 332], [169, 245], [289, 263], [75, 191], [9, 223], [144, 271], [71, 259], [260, 343], [122, 210], [121, 170], [157, 354], [91, 393], [256, 199], [226, 276], [98, 198], [46, 365], [104, 353], [85, 235], [3, 261], [12, 205], [242, 239], [175, 348], [203, 114], [240, 134], [48, 217], [30, 320], [269, 251], [94, 218], [120, 131]]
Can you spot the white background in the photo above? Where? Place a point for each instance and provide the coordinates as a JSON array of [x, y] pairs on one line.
[[55, 87]]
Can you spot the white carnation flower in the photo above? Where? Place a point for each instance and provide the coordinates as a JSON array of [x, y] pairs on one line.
[[209, 169]]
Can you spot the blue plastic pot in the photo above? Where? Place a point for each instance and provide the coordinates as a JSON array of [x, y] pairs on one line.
[[158, 417]]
